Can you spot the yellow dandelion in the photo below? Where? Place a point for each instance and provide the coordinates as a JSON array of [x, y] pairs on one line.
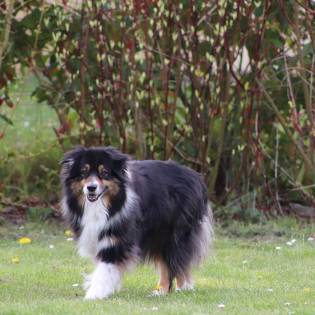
[[15, 260], [68, 233], [25, 240], [307, 290]]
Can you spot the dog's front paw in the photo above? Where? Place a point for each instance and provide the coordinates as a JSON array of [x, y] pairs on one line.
[[103, 282], [95, 293]]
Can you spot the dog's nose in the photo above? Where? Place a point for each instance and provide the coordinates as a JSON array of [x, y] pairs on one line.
[[91, 188]]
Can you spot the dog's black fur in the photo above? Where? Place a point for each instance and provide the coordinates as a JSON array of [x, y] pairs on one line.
[[168, 216]]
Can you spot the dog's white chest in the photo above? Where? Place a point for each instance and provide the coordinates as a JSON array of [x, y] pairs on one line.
[[93, 221]]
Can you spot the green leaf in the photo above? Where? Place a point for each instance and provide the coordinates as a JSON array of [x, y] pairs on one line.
[[6, 119], [31, 21]]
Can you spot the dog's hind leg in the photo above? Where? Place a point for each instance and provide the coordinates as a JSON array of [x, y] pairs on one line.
[[184, 281], [163, 286]]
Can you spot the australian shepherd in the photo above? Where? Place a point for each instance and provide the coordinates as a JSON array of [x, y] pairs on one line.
[[124, 211]]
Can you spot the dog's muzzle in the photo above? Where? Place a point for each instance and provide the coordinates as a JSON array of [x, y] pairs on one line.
[[92, 196]]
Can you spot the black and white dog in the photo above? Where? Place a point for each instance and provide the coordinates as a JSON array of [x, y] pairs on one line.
[[125, 211]]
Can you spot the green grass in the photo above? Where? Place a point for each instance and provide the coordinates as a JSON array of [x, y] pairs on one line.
[[29, 152], [247, 276], [32, 128]]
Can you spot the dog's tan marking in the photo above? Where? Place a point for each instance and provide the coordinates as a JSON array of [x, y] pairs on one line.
[[113, 189], [77, 186], [163, 285], [101, 168], [77, 189], [85, 168]]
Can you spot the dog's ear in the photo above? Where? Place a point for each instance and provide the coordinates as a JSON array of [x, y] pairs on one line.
[[118, 160], [69, 159]]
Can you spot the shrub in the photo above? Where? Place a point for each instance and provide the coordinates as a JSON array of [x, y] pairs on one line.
[[223, 86]]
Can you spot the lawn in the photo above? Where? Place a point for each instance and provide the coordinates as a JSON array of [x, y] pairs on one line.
[[263, 275]]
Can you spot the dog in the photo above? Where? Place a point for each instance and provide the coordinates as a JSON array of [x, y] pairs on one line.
[[125, 211]]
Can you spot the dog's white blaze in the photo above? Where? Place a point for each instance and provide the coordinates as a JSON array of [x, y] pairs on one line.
[[93, 221], [104, 281]]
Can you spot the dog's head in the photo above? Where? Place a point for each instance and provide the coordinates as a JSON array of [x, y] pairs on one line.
[[93, 173]]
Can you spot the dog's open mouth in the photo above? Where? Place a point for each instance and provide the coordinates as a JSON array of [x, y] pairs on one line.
[[93, 197]]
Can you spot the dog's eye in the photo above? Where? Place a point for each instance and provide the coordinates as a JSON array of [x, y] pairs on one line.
[[104, 174], [84, 172]]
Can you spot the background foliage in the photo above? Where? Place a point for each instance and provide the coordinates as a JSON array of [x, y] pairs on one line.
[[225, 87]]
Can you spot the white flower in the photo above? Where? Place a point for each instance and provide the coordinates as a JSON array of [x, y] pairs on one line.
[[221, 305], [290, 243]]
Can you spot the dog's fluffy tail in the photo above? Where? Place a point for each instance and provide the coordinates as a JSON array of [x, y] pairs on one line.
[[204, 241]]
